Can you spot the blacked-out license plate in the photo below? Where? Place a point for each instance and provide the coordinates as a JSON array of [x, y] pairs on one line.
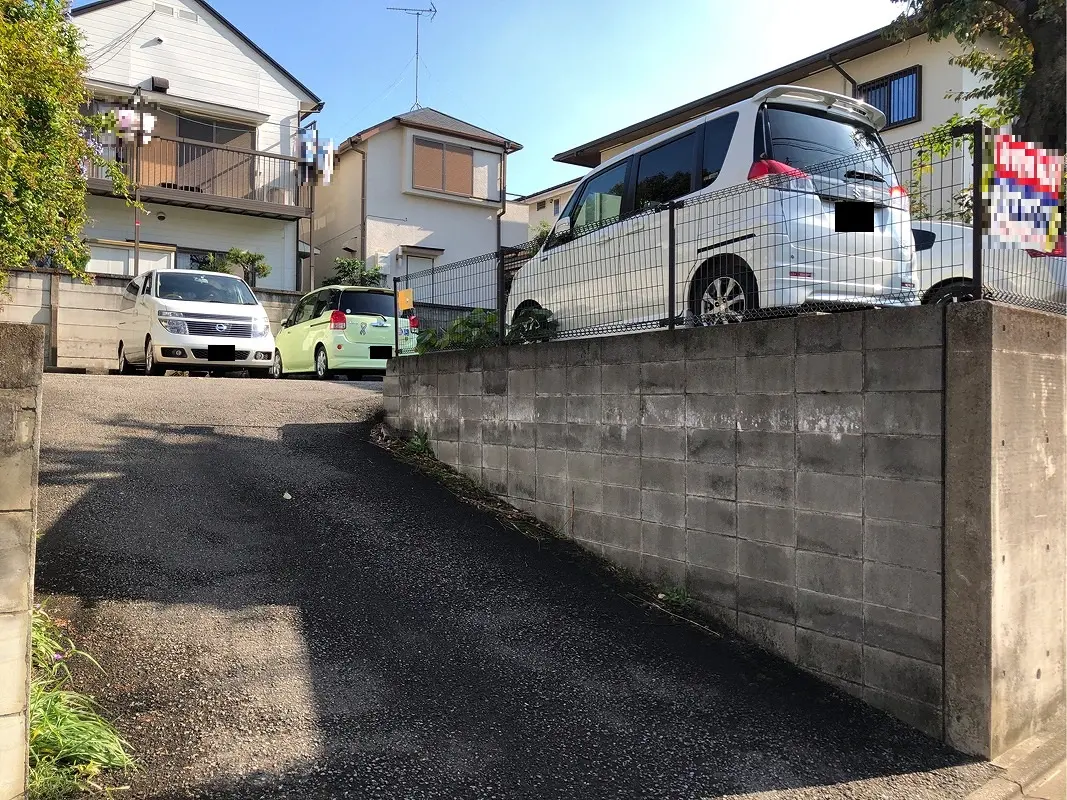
[[220, 352]]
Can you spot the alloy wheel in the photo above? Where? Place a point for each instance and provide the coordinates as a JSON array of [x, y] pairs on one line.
[[723, 301], [321, 366], [276, 365]]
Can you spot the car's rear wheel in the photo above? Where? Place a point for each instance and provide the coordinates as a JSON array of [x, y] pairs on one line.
[[950, 293], [723, 294], [124, 366], [276, 370], [322, 363], [151, 366]]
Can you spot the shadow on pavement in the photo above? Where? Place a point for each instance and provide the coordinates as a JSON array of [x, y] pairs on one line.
[[448, 657]]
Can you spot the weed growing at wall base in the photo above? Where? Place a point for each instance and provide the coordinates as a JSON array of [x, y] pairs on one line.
[[71, 744]]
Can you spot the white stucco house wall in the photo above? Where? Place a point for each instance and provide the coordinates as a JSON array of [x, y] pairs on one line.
[[221, 169], [420, 190], [546, 204]]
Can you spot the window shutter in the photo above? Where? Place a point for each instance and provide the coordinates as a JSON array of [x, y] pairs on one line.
[[428, 165], [459, 170]]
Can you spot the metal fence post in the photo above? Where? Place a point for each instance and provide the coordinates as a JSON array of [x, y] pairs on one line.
[[977, 154], [671, 266], [396, 315], [501, 300]]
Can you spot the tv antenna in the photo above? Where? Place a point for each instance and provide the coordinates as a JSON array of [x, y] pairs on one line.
[[417, 13]]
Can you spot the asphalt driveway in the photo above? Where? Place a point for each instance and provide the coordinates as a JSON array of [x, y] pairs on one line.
[[374, 637]]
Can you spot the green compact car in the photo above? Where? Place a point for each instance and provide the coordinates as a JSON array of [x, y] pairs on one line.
[[339, 330]]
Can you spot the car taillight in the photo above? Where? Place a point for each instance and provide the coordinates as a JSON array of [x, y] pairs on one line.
[[338, 321], [896, 192], [1058, 250], [767, 166]]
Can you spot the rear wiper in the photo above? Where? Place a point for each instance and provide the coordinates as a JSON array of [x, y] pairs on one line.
[[865, 176]]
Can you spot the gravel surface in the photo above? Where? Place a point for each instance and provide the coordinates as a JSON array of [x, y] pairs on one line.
[[373, 637]]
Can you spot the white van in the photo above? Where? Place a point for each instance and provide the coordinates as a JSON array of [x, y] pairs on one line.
[[192, 320], [814, 214]]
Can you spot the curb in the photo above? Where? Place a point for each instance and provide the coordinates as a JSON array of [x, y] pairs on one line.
[[1025, 766]]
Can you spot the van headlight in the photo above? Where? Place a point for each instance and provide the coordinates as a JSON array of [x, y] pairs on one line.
[[172, 321], [260, 327]]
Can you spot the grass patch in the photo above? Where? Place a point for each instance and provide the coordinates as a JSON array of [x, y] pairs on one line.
[[71, 744]]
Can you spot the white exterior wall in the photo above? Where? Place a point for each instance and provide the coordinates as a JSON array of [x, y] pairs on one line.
[[202, 60], [339, 213], [398, 214], [110, 218], [546, 214]]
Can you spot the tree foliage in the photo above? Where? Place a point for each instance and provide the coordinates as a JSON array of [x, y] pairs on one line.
[[45, 140], [1022, 80], [250, 265], [353, 272]]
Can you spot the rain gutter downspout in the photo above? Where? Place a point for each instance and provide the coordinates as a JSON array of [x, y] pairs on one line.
[[851, 81]]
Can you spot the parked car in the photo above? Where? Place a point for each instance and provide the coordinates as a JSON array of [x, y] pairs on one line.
[[192, 320], [944, 264], [348, 330], [795, 156]]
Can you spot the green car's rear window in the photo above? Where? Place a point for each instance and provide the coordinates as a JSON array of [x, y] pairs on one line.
[[374, 303]]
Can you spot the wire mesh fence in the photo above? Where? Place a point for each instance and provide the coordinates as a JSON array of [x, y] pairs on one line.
[[882, 227]]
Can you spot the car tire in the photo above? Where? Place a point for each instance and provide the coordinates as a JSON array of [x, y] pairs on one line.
[[723, 294], [949, 293], [322, 364], [151, 366], [124, 366], [276, 370]]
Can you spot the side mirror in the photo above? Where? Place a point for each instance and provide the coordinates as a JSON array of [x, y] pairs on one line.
[[562, 227], [284, 323]]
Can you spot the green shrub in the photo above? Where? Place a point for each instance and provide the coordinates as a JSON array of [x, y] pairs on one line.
[[476, 330], [532, 324]]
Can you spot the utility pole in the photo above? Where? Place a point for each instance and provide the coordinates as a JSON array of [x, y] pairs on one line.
[[417, 13]]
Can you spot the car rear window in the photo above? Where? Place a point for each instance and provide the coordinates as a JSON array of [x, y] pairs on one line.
[[827, 145], [377, 303]]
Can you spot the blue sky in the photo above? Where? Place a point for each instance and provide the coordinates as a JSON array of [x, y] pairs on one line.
[[550, 74]]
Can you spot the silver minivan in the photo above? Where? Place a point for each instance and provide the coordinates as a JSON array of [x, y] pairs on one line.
[[784, 199]]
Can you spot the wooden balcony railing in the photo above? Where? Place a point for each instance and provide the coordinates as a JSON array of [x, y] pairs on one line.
[[211, 171]]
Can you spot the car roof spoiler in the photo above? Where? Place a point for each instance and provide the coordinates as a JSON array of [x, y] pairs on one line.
[[831, 101]]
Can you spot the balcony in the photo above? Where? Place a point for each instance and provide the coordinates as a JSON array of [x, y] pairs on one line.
[[184, 172]]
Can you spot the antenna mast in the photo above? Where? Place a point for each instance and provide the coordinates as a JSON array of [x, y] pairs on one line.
[[417, 13]]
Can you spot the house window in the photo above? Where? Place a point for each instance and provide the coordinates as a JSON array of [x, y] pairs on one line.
[[541, 205], [898, 96], [195, 259], [232, 134], [555, 207], [442, 167]]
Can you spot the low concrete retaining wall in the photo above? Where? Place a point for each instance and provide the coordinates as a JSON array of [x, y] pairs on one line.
[[78, 319], [21, 363], [789, 473]]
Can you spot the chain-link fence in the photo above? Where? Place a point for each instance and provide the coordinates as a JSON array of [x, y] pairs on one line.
[[885, 226]]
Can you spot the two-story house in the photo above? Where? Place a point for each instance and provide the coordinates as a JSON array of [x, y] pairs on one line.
[[418, 190], [546, 204], [221, 168]]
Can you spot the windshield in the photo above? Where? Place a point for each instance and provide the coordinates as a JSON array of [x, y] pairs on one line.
[[827, 146], [205, 287], [375, 303]]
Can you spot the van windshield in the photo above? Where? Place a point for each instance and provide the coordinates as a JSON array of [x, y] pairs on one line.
[[204, 287], [827, 145], [374, 303]]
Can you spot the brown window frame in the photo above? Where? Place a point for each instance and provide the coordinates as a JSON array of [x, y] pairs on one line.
[[444, 147]]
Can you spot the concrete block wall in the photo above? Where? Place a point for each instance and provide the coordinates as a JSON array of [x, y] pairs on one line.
[[1006, 517], [21, 364], [786, 472], [799, 478]]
